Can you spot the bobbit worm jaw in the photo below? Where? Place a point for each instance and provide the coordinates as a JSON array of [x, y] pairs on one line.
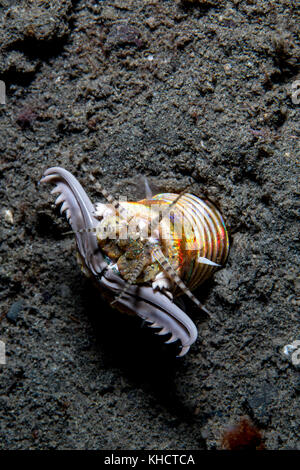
[[152, 306]]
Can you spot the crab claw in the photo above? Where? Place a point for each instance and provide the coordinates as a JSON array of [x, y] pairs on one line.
[[151, 305], [79, 212]]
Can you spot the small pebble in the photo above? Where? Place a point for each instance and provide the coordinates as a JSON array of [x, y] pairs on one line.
[[292, 352], [14, 311], [8, 216], [151, 22], [227, 68]]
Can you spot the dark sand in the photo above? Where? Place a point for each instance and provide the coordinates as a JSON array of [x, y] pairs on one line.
[[198, 93]]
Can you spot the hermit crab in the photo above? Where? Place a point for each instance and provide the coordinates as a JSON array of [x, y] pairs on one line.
[[144, 254]]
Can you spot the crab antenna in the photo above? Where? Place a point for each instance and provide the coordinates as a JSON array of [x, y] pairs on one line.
[[116, 205]]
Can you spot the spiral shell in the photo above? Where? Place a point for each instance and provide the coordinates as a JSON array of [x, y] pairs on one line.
[[205, 236], [141, 254]]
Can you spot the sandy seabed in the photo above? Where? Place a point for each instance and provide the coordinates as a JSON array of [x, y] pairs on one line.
[[196, 92]]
